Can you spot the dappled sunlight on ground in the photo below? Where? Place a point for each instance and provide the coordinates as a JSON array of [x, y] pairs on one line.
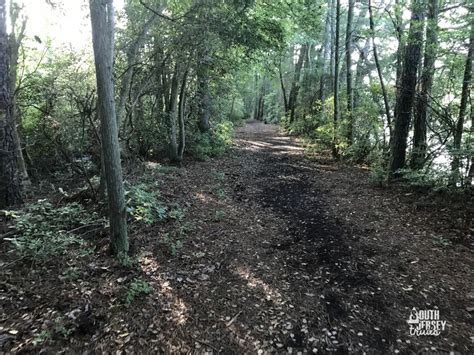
[[254, 282]]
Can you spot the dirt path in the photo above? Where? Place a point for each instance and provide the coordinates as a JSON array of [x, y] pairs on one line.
[[289, 254]]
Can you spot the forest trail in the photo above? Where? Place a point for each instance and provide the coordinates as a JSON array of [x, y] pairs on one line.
[[279, 251], [309, 256]]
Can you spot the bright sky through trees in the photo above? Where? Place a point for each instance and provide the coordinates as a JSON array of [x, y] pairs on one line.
[[67, 23]]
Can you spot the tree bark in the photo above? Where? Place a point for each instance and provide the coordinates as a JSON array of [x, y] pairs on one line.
[[172, 112], [350, 92], [181, 116], [283, 90], [335, 150], [203, 94], [422, 105], [256, 101], [399, 34], [102, 20], [15, 40], [379, 69], [326, 56], [295, 85], [361, 70], [10, 186], [466, 86], [406, 98]]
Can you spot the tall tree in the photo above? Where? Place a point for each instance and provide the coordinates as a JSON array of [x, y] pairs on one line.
[[422, 104], [295, 85], [172, 113], [466, 87], [203, 92], [379, 69], [326, 54], [406, 98], [15, 39], [102, 20], [350, 92], [181, 117], [10, 186], [335, 151], [398, 24]]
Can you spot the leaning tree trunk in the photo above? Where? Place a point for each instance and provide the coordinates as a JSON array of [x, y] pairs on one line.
[[102, 20], [350, 92], [421, 111], [335, 151], [407, 90], [132, 54], [361, 71], [379, 69], [10, 185], [466, 86]]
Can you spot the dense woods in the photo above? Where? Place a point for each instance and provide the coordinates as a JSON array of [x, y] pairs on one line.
[[95, 123]]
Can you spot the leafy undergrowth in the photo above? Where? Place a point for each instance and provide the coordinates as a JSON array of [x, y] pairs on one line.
[[260, 249]]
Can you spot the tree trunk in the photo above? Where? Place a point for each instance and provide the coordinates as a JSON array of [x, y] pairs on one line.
[[15, 42], [361, 70], [470, 177], [335, 150], [350, 93], [203, 94], [102, 20], [283, 90], [332, 27], [181, 116], [399, 34], [407, 90], [326, 56], [231, 114], [379, 70], [172, 112], [466, 86], [10, 186], [132, 54], [261, 104], [257, 100], [295, 85], [422, 110]]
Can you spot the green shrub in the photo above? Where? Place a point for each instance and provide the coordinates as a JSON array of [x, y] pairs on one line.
[[213, 143], [137, 288], [144, 205], [44, 229], [177, 213], [59, 329], [219, 216]]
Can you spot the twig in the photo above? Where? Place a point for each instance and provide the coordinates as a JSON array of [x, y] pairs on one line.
[[205, 343], [8, 234], [233, 319], [13, 262], [85, 226]]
